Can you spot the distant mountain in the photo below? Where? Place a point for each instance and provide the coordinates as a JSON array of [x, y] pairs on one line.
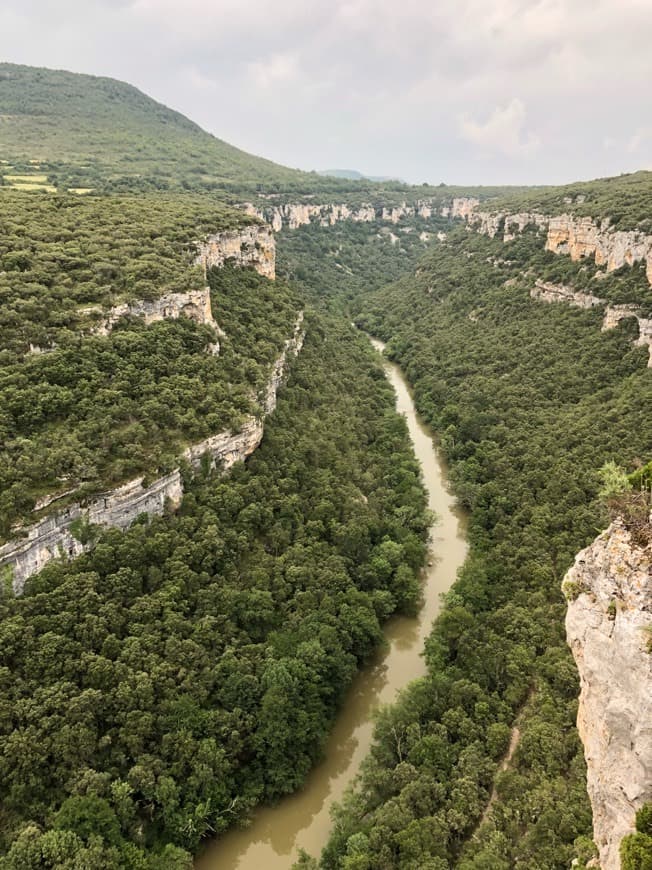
[[354, 175], [93, 131]]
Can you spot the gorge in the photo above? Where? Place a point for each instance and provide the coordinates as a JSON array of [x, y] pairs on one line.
[[226, 669], [303, 820]]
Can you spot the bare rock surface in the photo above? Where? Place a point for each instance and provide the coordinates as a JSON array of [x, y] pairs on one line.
[[607, 626]]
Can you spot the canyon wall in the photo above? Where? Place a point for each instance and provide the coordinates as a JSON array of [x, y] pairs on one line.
[[608, 624], [579, 237], [58, 535], [294, 215], [250, 247]]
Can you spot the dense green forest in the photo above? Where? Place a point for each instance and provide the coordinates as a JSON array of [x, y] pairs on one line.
[[157, 688], [100, 410], [529, 400], [60, 255], [336, 264]]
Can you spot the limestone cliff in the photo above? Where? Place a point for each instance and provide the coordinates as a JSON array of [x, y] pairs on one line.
[[251, 246], [579, 237], [294, 215], [607, 625], [56, 535], [195, 304]]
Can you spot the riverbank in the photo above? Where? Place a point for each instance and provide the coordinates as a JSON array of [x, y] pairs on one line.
[[302, 820]]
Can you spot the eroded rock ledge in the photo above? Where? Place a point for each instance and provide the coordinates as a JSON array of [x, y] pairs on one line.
[[195, 304], [57, 535], [253, 246], [579, 237], [248, 247], [607, 626], [545, 291], [294, 215]]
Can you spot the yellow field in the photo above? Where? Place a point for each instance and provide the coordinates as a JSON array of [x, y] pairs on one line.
[[81, 190], [26, 179], [48, 188]]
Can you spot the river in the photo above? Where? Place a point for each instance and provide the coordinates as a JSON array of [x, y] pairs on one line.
[[302, 820]]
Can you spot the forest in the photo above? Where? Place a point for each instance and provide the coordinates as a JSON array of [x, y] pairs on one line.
[[101, 410], [156, 689], [529, 400]]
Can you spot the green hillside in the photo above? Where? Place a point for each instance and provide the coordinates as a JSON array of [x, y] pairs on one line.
[[65, 130], [86, 130]]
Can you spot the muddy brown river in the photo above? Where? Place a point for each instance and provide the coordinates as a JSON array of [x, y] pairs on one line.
[[302, 820]]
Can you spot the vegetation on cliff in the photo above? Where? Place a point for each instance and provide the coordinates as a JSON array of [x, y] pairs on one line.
[[625, 199], [98, 411]]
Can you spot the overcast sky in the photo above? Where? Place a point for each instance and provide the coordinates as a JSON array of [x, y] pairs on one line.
[[461, 91]]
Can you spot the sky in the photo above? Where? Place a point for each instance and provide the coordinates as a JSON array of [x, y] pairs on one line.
[[459, 91]]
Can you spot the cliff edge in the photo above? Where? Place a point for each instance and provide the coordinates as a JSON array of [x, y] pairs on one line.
[[609, 589]]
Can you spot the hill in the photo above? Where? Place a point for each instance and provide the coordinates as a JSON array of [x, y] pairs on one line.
[[87, 131]]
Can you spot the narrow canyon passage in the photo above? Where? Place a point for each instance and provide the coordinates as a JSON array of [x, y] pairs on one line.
[[302, 820]]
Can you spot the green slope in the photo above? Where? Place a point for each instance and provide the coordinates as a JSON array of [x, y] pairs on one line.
[[86, 130]]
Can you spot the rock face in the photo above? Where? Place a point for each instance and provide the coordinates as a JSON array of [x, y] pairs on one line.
[[195, 304], [607, 624], [547, 292], [54, 535], [294, 215], [251, 246], [579, 237]]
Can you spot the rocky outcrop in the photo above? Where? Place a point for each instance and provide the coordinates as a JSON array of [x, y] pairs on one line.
[[607, 625], [615, 313], [294, 215], [548, 292], [60, 535], [545, 291], [578, 237], [195, 304], [250, 247]]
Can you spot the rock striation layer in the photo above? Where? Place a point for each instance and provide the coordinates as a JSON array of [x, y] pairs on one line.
[[548, 292], [58, 535], [195, 304], [607, 625]]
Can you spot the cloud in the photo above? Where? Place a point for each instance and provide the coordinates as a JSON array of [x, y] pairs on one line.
[[503, 131], [274, 70], [534, 87]]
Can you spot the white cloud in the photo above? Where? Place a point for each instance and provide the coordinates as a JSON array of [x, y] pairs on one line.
[[274, 70], [503, 132]]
